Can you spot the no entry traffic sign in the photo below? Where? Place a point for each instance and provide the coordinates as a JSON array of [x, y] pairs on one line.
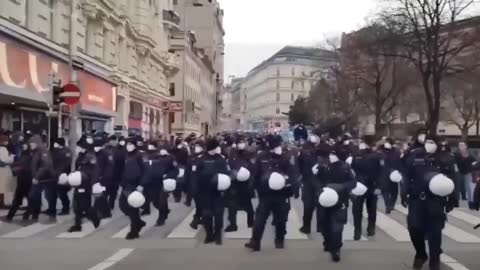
[[71, 94]]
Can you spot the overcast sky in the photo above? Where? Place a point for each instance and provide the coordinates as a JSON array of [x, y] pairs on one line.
[[256, 29]]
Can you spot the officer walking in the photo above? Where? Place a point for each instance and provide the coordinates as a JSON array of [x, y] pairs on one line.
[[274, 181], [368, 167], [212, 171], [117, 148], [62, 162], [192, 180], [240, 194], [392, 174], [425, 193], [105, 167]]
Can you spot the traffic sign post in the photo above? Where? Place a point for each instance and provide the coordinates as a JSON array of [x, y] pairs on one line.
[[71, 94]]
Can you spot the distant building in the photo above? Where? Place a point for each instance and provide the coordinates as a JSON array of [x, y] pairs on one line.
[[268, 91]]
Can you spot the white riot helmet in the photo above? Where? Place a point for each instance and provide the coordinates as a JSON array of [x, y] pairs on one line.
[[136, 199], [440, 185], [63, 179], [328, 197], [223, 182], [169, 185], [75, 179], [243, 174], [276, 181], [360, 189], [396, 176], [98, 189]]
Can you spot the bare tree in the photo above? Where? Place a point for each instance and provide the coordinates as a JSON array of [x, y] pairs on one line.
[[430, 34], [383, 79]]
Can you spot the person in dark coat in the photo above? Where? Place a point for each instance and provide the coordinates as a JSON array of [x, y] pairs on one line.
[[62, 162], [192, 180]]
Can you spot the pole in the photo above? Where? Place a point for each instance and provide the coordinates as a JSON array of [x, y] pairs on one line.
[[73, 78], [49, 133], [184, 112]]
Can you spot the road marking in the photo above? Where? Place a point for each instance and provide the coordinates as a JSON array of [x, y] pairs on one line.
[[348, 232], [87, 229], [115, 258], [150, 221], [33, 229], [466, 217], [392, 227], [293, 226], [183, 230], [452, 263], [243, 231], [450, 231]]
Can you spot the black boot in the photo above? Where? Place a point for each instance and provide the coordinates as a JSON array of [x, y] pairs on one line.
[[132, 235], [75, 228], [253, 245], [371, 230], [231, 228], [218, 238], [64, 212], [194, 224], [418, 262], [160, 222], [434, 264], [305, 230], [335, 256], [357, 234], [279, 244], [209, 239]]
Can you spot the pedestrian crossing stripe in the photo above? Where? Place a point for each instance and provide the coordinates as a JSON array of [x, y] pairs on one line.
[[35, 228], [396, 230], [87, 229], [450, 231], [150, 221]]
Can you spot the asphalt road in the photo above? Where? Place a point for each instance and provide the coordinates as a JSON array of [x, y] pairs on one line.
[[175, 246]]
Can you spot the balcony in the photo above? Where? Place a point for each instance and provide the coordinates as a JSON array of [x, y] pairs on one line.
[[171, 19]]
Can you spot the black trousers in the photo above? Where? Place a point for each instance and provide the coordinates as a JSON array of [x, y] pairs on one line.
[[160, 201], [212, 215], [21, 191], [101, 206], [62, 193], [390, 195], [240, 202], [310, 204], [279, 207], [357, 209], [198, 209], [50, 189], [333, 221], [82, 206], [112, 192], [149, 192], [132, 213], [426, 221]]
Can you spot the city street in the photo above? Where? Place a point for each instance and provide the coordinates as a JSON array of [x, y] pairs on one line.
[[176, 246]]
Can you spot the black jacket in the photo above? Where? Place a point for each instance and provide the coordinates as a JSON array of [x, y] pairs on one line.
[[338, 176], [207, 168], [62, 161], [158, 168], [42, 166], [133, 173], [268, 163]]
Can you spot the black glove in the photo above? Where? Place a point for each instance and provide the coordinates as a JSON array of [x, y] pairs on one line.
[[404, 201]]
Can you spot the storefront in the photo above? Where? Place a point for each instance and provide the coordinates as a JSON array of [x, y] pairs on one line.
[[26, 76]]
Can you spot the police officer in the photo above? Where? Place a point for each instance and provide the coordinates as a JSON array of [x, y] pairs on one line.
[[392, 162], [192, 180], [21, 168], [426, 210], [338, 177], [42, 179], [159, 177], [368, 167], [300, 133], [180, 152], [313, 152], [132, 175], [105, 167], [82, 180], [212, 200], [240, 194], [119, 154], [62, 162], [274, 181]]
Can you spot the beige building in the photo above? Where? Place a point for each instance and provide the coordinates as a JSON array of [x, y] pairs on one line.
[[204, 20], [194, 84], [120, 52], [268, 91]]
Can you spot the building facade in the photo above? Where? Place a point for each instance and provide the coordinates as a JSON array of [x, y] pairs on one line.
[[204, 20], [268, 91], [115, 51]]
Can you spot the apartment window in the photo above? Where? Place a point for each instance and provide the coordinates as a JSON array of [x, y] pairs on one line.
[[303, 85], [292, 97], [175, 2], [277, 111], [293, 71], [171, 89], [278, 84], [278, 71], [105, 45], [293, 84], [120, 51], [51, 4], [278, 97]]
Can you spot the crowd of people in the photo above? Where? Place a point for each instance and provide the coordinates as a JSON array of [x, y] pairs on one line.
[[229, 170]]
